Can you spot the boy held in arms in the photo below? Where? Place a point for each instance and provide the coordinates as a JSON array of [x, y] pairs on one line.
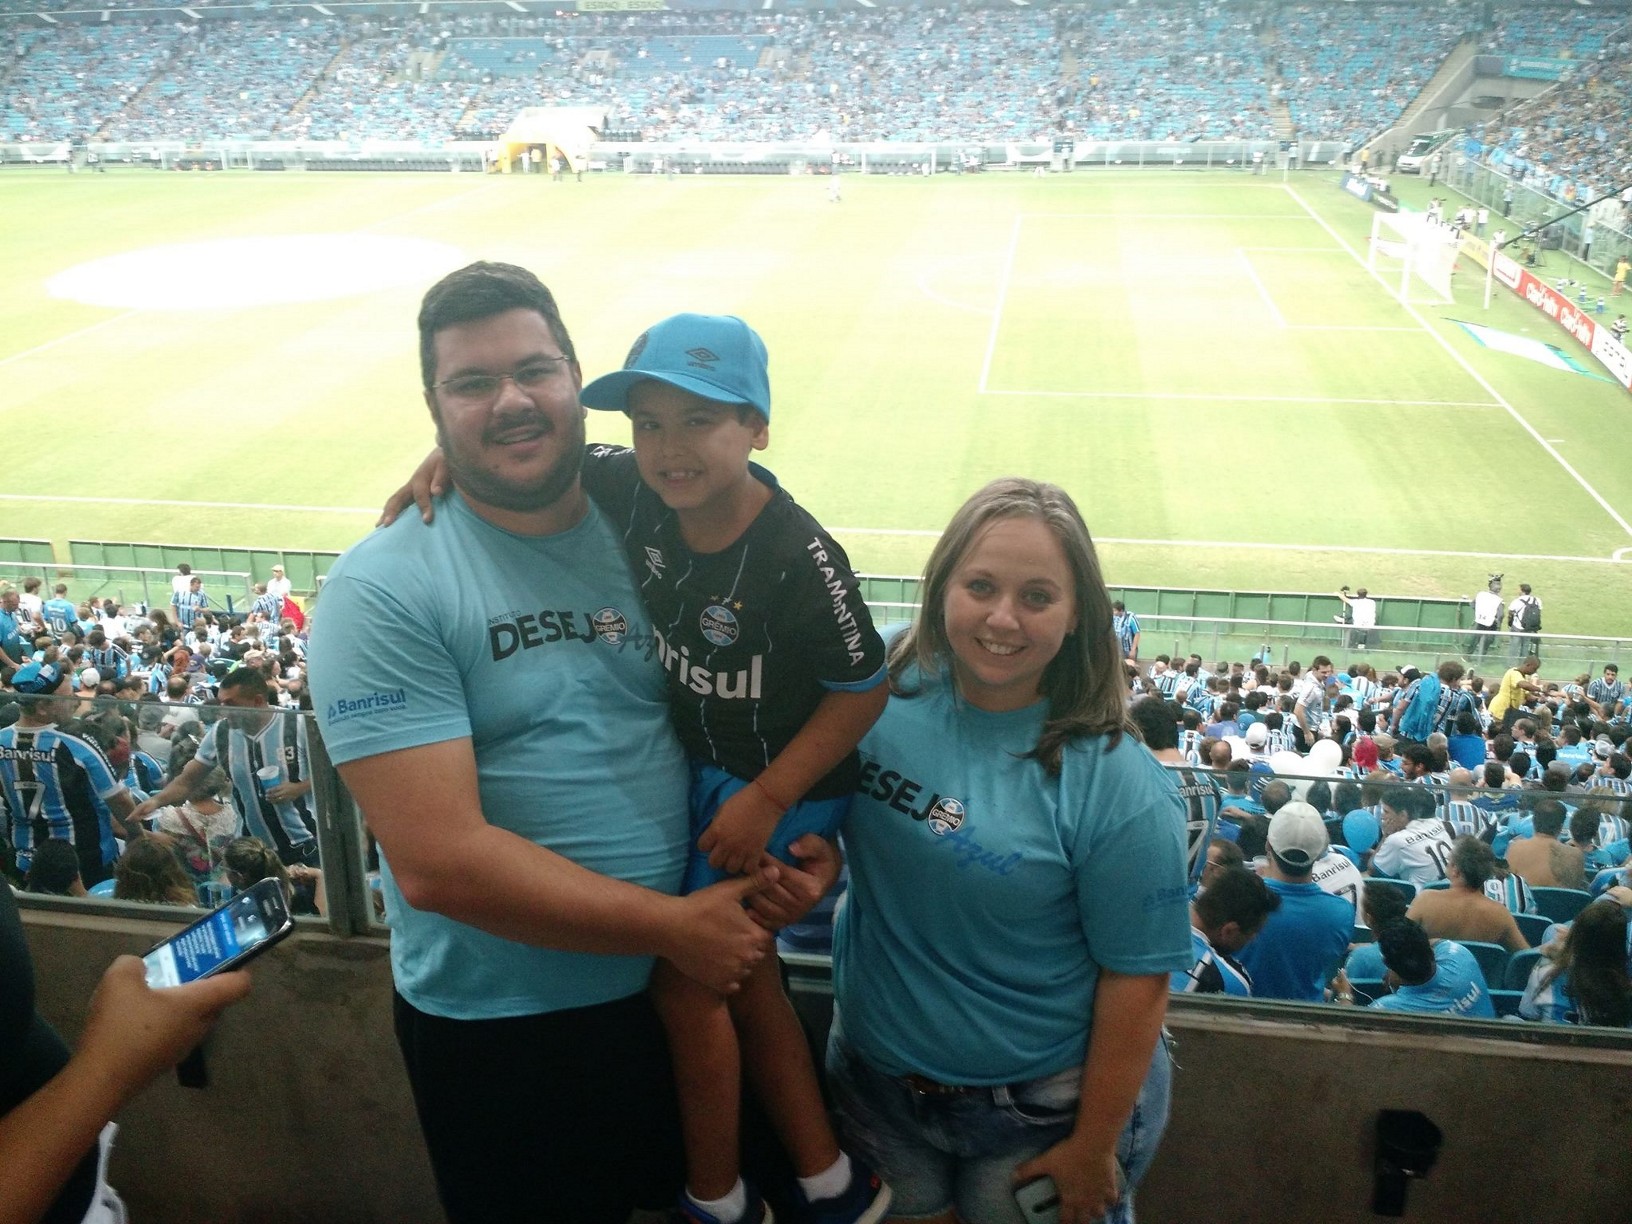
[[775, 673]]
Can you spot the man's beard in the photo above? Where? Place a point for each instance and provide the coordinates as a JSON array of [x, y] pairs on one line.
[[480, 484]]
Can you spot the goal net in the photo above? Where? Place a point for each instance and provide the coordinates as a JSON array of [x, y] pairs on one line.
[[1415, 254]]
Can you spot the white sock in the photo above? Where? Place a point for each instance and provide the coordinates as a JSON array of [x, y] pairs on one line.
[[728, 1209], [829, 1183]]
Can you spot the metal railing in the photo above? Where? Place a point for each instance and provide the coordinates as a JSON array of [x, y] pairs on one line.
[[149, 586]]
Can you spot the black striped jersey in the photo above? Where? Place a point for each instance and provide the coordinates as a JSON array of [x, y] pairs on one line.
[[110, 662], [56, 785], [1200, 795], [288, 827], [751, 638], [1212, 973]]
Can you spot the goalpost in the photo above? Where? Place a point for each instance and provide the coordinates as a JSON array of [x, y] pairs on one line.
[[1418, 252]]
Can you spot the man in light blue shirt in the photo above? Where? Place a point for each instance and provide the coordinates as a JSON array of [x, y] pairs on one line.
[[488, 686], [1440, 978], [1305, 939]]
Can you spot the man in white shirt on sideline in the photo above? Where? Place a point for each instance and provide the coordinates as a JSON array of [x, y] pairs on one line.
[[1487, 616], [1363, 616]]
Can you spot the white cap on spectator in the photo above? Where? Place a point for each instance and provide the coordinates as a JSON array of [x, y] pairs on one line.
[[1297, 836], [89, 678], [1257, 735]]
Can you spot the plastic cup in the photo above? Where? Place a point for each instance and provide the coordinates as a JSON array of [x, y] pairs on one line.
[[267, 777]]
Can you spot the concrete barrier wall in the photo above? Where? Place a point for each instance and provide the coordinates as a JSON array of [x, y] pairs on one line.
[[308, 1115]]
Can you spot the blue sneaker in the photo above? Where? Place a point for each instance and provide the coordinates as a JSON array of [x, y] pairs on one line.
[[757, 1213], [866, 1200]]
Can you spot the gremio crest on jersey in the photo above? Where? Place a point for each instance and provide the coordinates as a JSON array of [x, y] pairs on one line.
[[610, 626], [945, 817], [719, 625]]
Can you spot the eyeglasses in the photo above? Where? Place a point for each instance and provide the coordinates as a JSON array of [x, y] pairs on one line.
[[484, 388]]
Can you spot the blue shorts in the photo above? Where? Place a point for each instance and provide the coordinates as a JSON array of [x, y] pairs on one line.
[[937, 1153], [711, 786]]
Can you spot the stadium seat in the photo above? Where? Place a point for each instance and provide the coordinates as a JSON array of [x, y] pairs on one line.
[[1405, 888], [1506, 1002], [1561, 904], [1519, 967], [1436, 884], [1363, 935], [1492, 959], [102, 889], [1533, 927]]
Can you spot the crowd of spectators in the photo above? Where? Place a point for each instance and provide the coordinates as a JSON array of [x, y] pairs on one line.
[[1466, 794], [1193, 71], [1572, 142], [1349, 71], [126, 702], [1325, 782]]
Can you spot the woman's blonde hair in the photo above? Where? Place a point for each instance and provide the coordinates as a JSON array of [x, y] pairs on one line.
[[1085, 683], [149, 870]]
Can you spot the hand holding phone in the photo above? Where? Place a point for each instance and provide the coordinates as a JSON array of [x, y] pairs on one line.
[[133, 1033], [1039, 1198], [225, 938], [1039, 1201]]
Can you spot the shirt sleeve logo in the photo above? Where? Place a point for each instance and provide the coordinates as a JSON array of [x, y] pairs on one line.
[[719, 625]]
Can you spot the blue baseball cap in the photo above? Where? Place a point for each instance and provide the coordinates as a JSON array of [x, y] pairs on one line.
[[37, 678], [718, 357]]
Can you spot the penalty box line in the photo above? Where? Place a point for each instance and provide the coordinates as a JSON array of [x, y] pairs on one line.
[[1468, 368], [1217, 398]]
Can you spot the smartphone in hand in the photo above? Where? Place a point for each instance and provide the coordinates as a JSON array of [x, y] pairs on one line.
[[1039, 1198], [225, 938], [1039, 1201]]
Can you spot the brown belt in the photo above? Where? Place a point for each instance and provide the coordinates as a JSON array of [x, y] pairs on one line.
[[924, 1086]]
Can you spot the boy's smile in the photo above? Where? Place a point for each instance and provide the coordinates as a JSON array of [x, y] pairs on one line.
[[693, 453]]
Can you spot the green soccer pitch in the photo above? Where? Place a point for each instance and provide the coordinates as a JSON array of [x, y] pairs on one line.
[[1202, 359]]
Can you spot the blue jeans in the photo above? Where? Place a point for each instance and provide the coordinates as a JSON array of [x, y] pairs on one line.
[[941, 1152]]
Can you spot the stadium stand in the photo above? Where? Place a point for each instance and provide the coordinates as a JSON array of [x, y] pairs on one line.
[[1179, 73], [1571, 142], [1348, 72]]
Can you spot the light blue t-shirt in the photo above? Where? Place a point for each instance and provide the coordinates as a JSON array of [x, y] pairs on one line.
[[539, 651], [985, 895], [1456, 989]]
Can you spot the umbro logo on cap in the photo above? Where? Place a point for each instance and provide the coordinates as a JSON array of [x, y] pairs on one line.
[[703, 357]]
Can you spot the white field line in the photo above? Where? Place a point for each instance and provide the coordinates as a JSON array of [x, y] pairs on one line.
[[1296, 250], [1263, 291], [1002, 295], [201, 505], [1346, 328], [911, 532], [933, 296], [1122, 216], [73, 335], [1212, 397], [1472, 373]]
